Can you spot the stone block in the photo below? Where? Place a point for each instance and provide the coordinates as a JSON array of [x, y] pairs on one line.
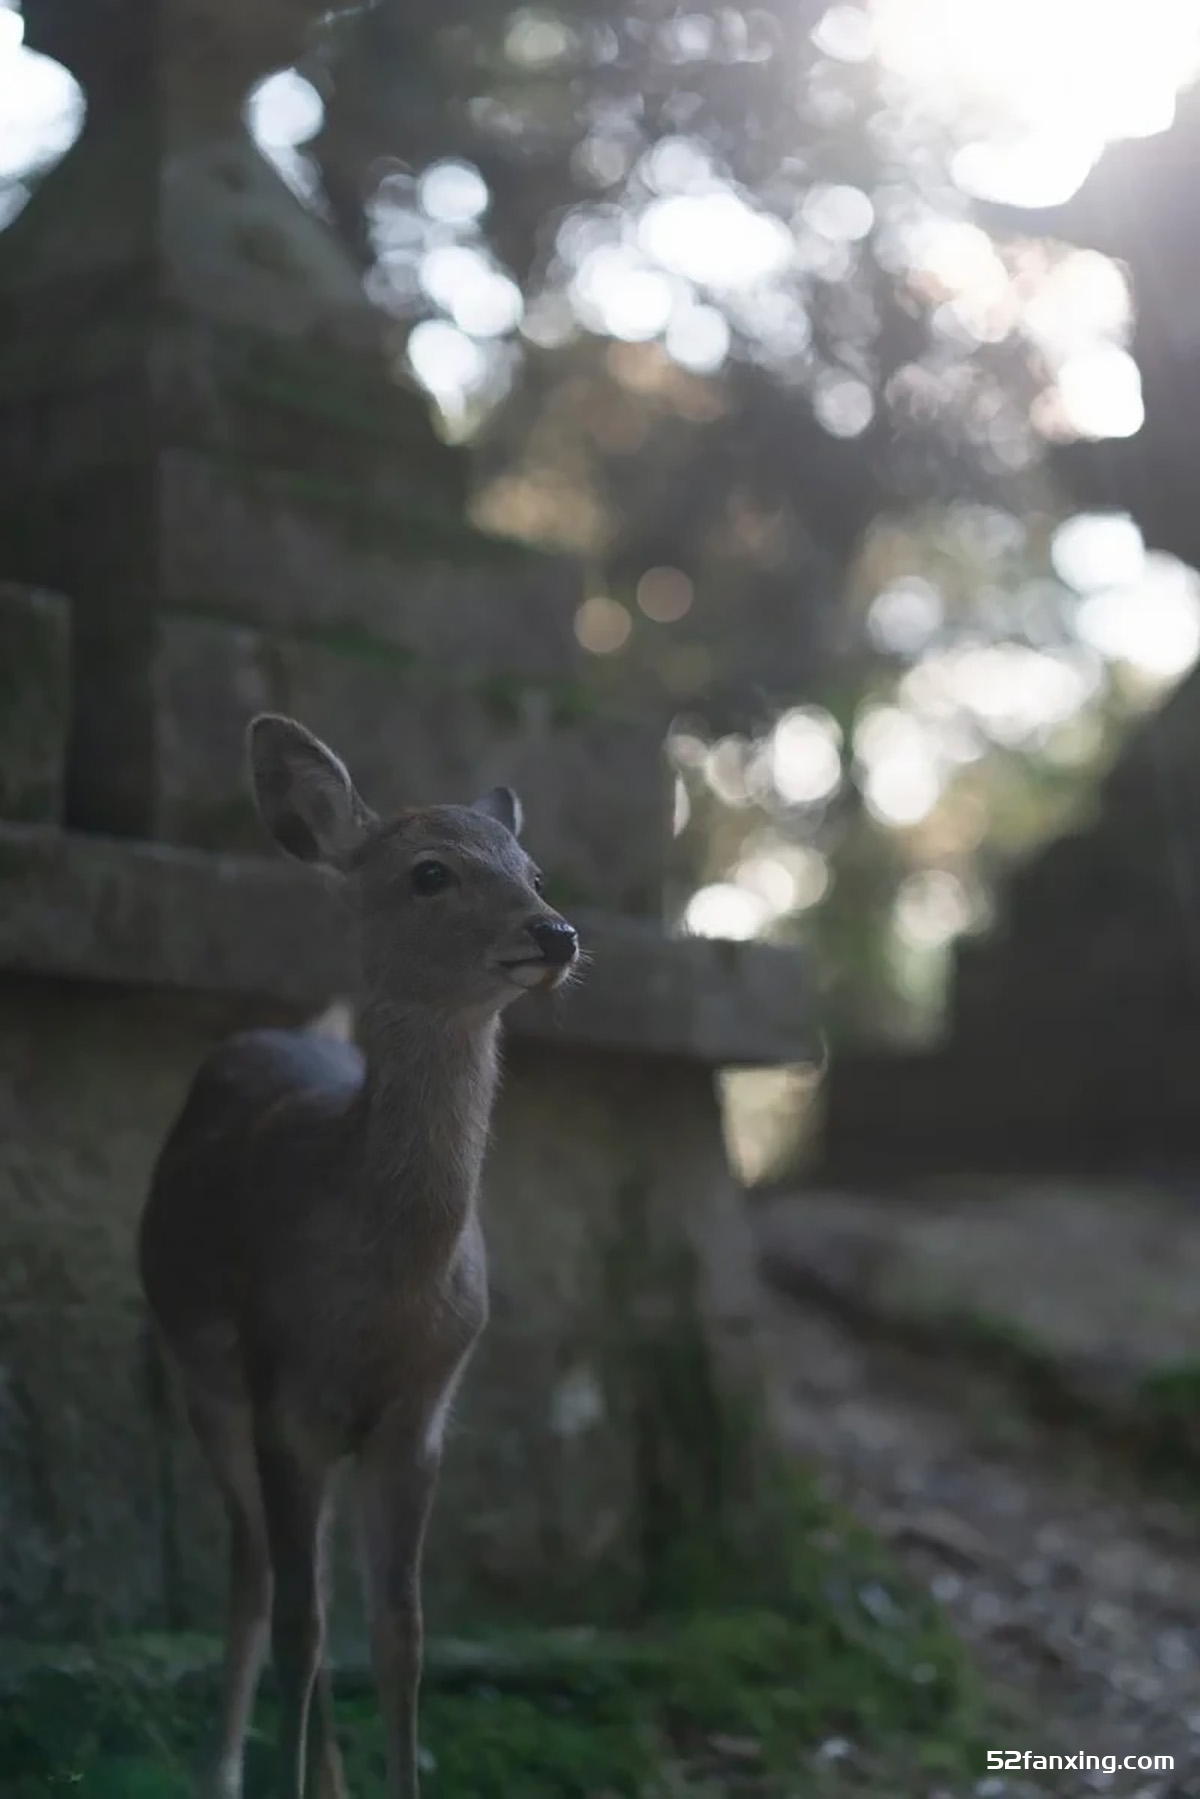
[[87, 1091], [263, 937], [80, 1522], [209, 680], [89, 1083], [266, 553], [593, 785], [34, 702]]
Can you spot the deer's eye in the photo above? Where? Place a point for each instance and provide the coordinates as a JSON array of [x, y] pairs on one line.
[[431, 877], [539, 881]]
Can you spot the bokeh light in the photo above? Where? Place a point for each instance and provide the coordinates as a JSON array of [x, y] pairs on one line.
[[602, 625]]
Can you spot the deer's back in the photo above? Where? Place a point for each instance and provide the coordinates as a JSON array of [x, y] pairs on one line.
[[258, 1153]]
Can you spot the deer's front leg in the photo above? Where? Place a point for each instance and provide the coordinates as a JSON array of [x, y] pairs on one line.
[[397, 1475], [295, 1492]]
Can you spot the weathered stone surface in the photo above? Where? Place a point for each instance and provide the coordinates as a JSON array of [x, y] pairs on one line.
[[209, 681], [260, 929], [35, 677], [86, 1087], [593, 787], [133, 290], [272, 550], [619, 1359], [79, 1517], [1095, 1282]]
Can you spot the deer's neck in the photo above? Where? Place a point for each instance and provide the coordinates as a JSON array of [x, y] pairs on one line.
[[427, 1102]]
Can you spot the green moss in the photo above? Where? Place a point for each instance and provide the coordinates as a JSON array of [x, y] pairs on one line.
[[33, 705], [1166, 1410], [732, 1702], [367, 519], [1173, 1394], [357, 641], [267, 248], [28, 801], [572, 702], [566, 892], [1003, 1343], [503, 699], [345, 640], [381, 414]]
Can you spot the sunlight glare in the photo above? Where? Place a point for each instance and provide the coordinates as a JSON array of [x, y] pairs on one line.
[[844, 33], [771, 879], [284, 111], [1064, 76], [481, 301], [446, 362], [1098, 549], [453, 193], [41, 104], [714, 239], [615, 292], [1016, 694], [805, 757], [1099, 393], [1042, 169], [725, 910], [698, 338], [841, 214], [1153, 625], [1082, 297], [899, 765]]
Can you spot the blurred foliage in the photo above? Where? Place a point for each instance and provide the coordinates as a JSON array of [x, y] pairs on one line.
[[869, 410]]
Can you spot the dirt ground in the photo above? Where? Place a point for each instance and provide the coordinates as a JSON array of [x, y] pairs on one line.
[[1072, 1572]]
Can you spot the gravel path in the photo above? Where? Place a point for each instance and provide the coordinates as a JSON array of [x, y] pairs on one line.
[[1078, 1592]]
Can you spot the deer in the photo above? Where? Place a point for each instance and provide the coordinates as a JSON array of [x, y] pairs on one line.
[[311, 1253]]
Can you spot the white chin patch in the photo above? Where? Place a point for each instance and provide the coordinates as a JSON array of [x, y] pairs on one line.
[[531, 974]]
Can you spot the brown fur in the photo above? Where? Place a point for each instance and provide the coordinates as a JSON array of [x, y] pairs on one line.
[[311, 1250]]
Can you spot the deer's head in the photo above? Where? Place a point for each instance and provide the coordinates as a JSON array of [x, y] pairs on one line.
[[448, 902]]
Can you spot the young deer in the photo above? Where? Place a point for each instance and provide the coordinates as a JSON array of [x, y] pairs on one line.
[[311, 1250]]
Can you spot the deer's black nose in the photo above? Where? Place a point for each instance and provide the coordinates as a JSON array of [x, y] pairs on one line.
[[555, 939]]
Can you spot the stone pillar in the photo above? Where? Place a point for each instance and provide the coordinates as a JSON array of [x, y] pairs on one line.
[[205, 444], [164, 305]]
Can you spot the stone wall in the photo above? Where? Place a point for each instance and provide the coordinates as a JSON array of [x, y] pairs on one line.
[[1073, 1030], [415, 727], [35, 641]]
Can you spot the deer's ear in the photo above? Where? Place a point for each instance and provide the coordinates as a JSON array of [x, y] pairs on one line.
[[304, 792], [503, 805]]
